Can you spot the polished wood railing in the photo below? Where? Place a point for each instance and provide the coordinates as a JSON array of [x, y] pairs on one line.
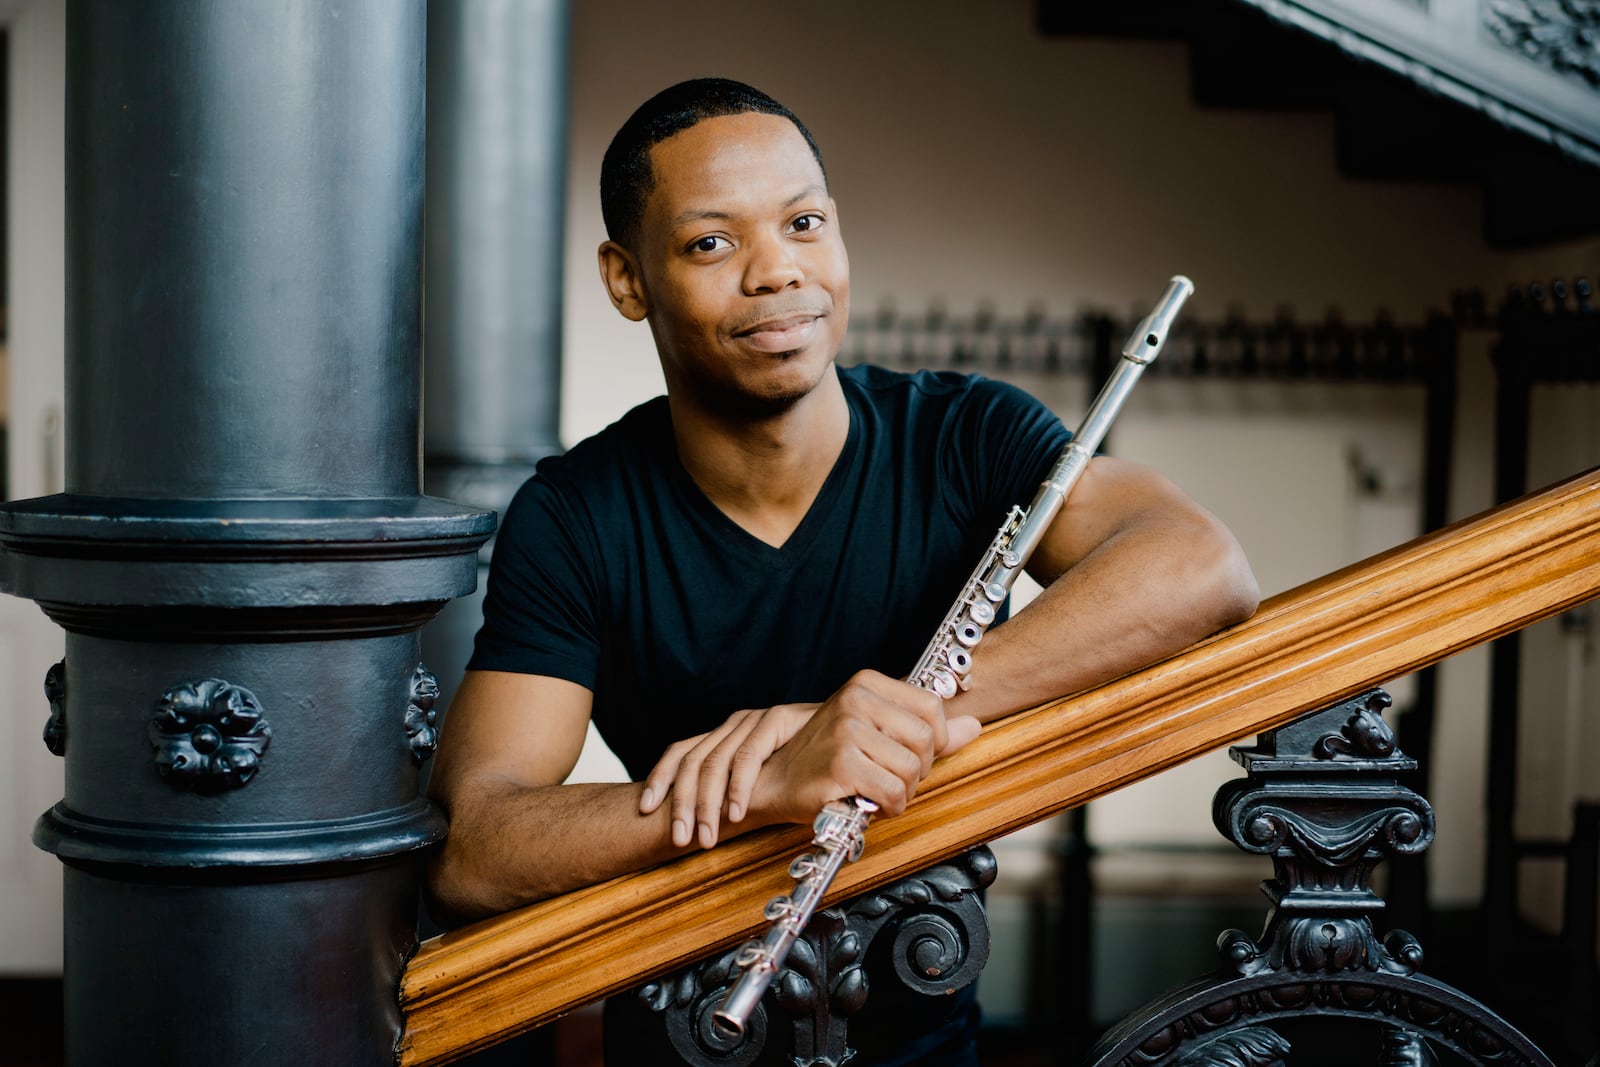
[[1305, 649]]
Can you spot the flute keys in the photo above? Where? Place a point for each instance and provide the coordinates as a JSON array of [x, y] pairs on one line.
[[995, 591], [960, 661], [969, 633], [751, 953], [981, 612], [943, 682]]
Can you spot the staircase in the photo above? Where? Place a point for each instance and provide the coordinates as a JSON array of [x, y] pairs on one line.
[[1504, 94]]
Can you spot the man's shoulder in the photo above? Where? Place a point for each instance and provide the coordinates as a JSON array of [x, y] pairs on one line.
[[587, 486], [639, 436]]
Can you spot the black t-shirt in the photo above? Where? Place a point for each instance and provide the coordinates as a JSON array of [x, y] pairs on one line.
[[613, 570]]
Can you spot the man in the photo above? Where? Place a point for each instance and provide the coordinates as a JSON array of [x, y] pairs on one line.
[[731, 580]]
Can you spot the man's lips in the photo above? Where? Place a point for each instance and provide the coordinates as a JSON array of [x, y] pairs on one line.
[[782, 333]]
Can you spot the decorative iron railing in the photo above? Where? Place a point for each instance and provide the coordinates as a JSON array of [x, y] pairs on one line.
[[1325, 799]]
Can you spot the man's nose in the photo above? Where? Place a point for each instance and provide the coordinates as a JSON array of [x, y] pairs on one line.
[[772, 266]]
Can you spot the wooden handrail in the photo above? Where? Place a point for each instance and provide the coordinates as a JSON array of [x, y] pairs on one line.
[[1305, 649]]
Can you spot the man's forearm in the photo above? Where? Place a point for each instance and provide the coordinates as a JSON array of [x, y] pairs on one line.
[[1144, 594], [512, 844]]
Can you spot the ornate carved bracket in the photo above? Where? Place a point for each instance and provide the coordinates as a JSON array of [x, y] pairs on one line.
[[55, 691], [1324, 800], [209, 735], [421, 730], [940, 944]]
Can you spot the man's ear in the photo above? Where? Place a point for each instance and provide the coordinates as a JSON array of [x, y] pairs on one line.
[[620, 273]]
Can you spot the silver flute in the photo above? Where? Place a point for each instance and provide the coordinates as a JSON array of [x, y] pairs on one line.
[[841, 826]]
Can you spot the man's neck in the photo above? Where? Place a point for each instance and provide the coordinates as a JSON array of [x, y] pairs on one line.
[[764, 472]]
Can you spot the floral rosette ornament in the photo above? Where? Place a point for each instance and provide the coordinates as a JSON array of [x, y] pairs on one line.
[[209, 735]]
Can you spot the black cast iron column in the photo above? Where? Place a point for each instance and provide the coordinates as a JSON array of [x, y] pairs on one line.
[[242, 559], [497, 165]]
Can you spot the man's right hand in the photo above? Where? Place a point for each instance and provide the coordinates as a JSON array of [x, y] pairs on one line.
[[876, 737]]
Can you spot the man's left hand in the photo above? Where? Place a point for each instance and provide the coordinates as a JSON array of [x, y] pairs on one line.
[[702, 772]]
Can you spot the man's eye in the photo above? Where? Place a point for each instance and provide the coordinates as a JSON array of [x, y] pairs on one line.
[[709, 244], [807, 223]]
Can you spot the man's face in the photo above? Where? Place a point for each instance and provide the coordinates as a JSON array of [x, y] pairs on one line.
[[742, 266]]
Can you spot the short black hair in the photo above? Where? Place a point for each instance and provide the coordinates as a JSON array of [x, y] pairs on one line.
[[626, 177]]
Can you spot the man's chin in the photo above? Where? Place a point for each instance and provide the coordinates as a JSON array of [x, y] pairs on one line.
[[761, 406], [769, 399]]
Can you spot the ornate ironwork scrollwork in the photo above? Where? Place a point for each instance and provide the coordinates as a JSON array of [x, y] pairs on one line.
[[421, 728], [686, 1001], [940, 944], [935, 912], [821, 985], [1324, 801], [1364, 735], [55, 691], [209, 735], [1310, 944], [1259, 823], [1256, 1046], [1402, 1048], [1563, 35]]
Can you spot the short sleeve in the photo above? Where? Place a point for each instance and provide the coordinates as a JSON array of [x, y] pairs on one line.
[[540, 608], [999, 445]]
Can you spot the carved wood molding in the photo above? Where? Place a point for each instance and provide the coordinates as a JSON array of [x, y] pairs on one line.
[[1305, 649]]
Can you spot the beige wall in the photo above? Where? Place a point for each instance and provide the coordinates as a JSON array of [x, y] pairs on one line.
[[30, 777], [976, 160]]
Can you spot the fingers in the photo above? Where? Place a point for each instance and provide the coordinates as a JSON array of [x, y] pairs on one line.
[[777, 726], [884, 771], [877, 737], [713, 777], [962, 730], [911, 717], [677, 774], [659, 780], [909, 731], [883, 736]]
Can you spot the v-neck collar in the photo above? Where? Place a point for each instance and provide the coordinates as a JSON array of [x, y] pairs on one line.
[[736, 538]]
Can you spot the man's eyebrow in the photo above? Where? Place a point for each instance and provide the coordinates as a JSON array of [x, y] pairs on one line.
[[808, 191], [686, 217], [697, 216]]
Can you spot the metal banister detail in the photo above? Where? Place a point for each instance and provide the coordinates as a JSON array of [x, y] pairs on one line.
[[1324, 799]]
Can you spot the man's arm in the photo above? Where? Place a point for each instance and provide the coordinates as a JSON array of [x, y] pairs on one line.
[[518, 835], [1133, 571]]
